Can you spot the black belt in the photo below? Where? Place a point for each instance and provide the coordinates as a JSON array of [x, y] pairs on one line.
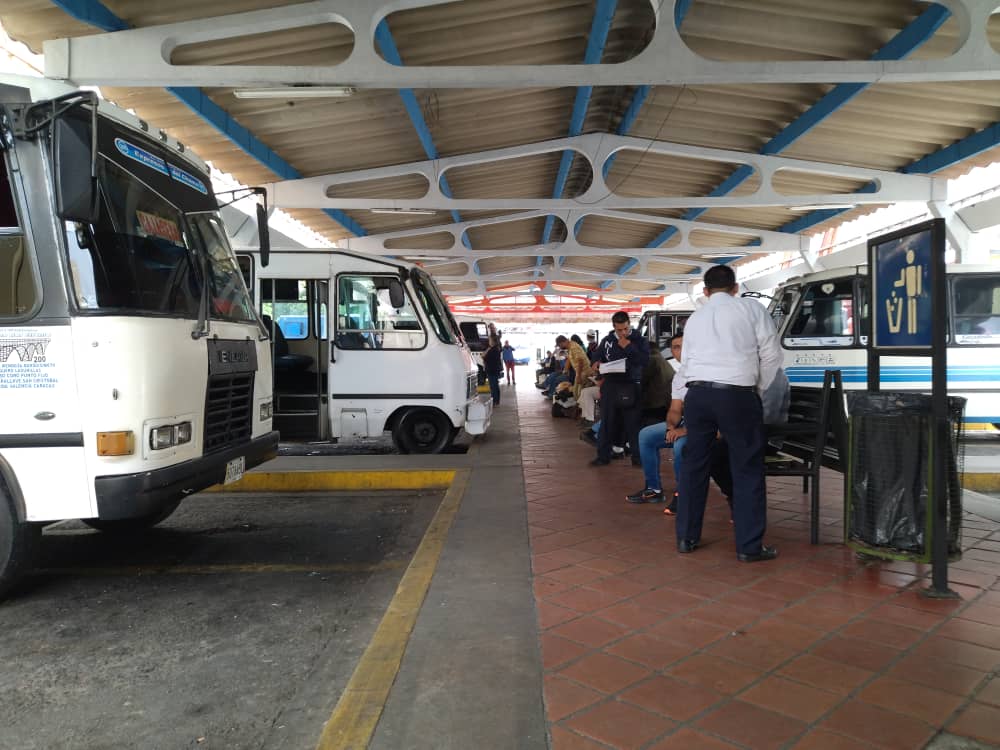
[[713, 384]]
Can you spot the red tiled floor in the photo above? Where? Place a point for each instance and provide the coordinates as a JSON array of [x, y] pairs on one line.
[[590, 631], [557, 651], [608, 674], [885, 729], [714, 673], [793, 699], [825, 674], [751, 726], [621, 725], [563, 739], [673, 698], [924, 703], [652, 652], [564, 697], [743, 654], [688, 739], [857, 652], [820, 739], [763, 655], [979, 721]]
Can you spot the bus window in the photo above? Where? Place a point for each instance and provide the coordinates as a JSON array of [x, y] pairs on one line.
[[286, 302], [18, 293], [682, 321], [366, 318], [782, 306], [666, 331], [825, 316], [246, 269], [977, 309]]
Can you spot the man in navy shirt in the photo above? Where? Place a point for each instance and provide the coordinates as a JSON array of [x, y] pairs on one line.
[[621, 391]]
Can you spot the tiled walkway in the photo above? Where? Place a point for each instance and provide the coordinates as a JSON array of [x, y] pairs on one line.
[[646, 648]]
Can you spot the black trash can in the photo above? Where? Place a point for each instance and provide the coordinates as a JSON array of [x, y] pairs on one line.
[[889, 480]]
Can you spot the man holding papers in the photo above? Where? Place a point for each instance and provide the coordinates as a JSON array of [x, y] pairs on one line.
[[622, 356]]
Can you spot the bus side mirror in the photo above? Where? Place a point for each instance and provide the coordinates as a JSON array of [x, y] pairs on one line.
[[397, 298], [263, 236], [73, 165]]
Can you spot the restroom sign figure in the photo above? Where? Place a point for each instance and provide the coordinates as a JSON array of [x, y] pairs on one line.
[[902, 291]]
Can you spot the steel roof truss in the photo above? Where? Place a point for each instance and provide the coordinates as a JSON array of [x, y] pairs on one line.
[[667, 60], [596, 148]]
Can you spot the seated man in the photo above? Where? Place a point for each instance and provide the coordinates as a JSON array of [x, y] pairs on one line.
[[672, 434]]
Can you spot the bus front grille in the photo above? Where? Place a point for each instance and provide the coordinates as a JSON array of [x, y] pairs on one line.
[[228, 410]]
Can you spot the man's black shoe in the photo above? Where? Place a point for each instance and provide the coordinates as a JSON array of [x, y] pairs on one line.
[[766, 553], [599, 462], [617, 456], [588, 436], [645, 495], [685, 546]]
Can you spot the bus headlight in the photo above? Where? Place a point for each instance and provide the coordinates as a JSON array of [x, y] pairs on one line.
[[266, 410], [169, 435]]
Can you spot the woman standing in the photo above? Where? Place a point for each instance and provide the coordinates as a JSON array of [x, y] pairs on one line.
[[508, 362], [494, 369]]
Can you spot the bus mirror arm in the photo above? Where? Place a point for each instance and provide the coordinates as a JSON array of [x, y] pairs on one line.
[[201, 328]]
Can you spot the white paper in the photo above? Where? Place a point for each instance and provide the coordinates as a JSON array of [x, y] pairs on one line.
[[617, 365]]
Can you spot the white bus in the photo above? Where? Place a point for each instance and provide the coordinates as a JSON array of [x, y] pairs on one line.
[[659, 326], [389, 357], [822, 319], [133, 368]]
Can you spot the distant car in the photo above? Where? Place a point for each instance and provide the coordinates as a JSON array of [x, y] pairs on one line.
[[522, 356]]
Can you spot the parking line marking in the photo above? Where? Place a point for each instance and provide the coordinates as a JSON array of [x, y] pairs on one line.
[[353, 721], [218, 568], [332, 481]]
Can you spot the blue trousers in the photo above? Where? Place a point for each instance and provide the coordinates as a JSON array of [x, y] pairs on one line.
[[739, 417], [494, 378], [653, 439]]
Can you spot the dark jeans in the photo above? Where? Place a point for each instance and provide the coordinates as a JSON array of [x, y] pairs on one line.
[[494, 378], [616, 420], [739, 417]]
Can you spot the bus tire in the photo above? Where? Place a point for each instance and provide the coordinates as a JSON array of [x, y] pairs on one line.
[[123, 525], [18, 543], [422, 430]]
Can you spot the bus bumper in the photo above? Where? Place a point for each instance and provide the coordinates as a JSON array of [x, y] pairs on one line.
[[478, 414], [137, 495]]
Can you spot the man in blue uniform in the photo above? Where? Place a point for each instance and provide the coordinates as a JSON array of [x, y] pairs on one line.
[[731, 356], [621, 391]]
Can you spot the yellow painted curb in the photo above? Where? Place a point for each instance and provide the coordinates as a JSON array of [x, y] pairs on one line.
[[981, 482], [331, 481], [353, 722]]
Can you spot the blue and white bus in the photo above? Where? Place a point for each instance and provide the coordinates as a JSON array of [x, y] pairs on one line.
[[822, 319]]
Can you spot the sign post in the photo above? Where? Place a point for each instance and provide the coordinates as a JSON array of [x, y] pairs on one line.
[[908, 318]]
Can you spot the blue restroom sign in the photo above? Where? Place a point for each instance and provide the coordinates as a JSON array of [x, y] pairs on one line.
[[901, 303]]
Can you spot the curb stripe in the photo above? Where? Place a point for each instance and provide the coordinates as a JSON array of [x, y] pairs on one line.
[[353, 722]]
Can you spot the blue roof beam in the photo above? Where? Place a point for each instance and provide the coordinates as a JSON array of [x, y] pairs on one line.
[[96, 14], [906, 41]]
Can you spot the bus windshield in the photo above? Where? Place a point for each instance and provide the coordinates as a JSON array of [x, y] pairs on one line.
[[436, 309], [146, 256]]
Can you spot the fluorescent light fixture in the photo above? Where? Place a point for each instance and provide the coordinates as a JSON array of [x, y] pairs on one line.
[[735, 252], [295, 92], [406, 211], [822, 207]]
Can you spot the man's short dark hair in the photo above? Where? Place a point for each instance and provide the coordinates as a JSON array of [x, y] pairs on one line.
[[678, 335], [561, 339], [619, 317], [720, 277]]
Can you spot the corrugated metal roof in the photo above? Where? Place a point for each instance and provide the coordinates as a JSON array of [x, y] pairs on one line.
[[886, 125]]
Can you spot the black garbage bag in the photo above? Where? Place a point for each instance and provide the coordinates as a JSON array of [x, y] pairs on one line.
[[889, 469]]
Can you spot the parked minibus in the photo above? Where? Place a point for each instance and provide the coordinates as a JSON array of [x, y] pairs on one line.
[[379, 351], [133, 368], [659, 326], [822, 319]]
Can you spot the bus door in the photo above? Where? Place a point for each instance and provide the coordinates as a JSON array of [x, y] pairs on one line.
[[42, 423], [295, 311], [373, 369]]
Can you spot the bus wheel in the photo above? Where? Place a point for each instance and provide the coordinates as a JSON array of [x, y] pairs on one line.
[[122, 525], [422, 431], [18, 543]]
